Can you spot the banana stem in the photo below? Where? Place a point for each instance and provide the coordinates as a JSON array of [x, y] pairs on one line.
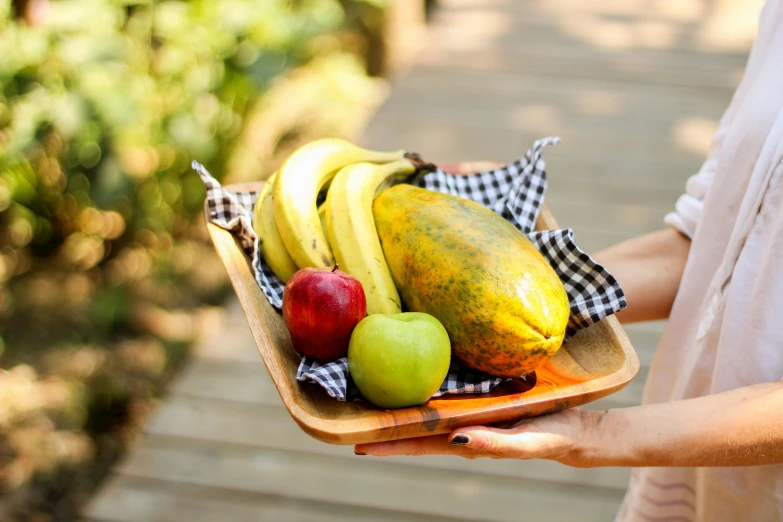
[[422, 167]]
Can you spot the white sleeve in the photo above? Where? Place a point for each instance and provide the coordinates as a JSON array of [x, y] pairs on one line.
[[687, 210]]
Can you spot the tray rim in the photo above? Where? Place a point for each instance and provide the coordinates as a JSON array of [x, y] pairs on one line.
[[344, 431]]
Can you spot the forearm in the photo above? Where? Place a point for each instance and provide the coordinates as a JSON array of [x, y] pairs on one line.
[[742, 427], [649, 269]]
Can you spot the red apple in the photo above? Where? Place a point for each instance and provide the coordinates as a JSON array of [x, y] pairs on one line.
[[321, 307]]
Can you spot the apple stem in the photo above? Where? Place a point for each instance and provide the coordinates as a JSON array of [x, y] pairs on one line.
[[336, 266]]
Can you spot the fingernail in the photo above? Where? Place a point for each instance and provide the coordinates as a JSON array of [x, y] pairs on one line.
[[359, 453], [460, 440]]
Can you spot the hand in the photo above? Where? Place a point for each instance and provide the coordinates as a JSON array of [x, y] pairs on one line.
[[569, 437]]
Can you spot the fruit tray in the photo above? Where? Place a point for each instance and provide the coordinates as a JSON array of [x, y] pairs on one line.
[[596, 362]]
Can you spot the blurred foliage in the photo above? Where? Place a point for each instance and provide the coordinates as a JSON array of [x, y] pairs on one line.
[[106, 276]]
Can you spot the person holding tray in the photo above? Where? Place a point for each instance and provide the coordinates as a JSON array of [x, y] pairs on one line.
[[707, 442]]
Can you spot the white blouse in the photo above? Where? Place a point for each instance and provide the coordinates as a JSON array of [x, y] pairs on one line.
[[725, 330]]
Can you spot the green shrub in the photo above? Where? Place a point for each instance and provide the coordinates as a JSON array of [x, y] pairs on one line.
[[102, 110], [102, 247]]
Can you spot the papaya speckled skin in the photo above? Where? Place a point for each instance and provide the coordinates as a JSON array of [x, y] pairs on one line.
[[503, 306]]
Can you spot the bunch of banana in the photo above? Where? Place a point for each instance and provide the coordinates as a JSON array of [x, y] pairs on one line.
[[296, 234], [272, 247], [299, 180], [350, 227]]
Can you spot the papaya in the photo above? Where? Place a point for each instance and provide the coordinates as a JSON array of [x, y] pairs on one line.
[[502, 304]]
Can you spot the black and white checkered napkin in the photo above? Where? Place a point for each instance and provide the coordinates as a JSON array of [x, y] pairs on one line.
[[514, 191]]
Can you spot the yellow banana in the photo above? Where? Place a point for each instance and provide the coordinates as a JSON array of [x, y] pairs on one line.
[[272, 248], [299, 180], [322, 215], [350, 227]]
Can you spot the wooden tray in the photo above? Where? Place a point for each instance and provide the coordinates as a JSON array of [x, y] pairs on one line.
[[598, 361]]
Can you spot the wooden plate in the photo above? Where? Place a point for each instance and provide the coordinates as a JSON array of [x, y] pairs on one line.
[[598, 361]]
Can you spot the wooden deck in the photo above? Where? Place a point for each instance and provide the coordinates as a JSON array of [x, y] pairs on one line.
[[634, 88]]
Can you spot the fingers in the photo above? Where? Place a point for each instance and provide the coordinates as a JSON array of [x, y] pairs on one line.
[[491, 442], [435, 445], [471, 443], [519, 442]]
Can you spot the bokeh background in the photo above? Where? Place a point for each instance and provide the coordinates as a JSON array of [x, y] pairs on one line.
[[129, 386], [106, 276]]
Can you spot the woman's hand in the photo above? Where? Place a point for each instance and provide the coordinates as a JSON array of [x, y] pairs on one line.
[[567, 437], [742, 427]]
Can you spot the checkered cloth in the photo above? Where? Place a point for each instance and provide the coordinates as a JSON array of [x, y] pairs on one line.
[[514, 191]]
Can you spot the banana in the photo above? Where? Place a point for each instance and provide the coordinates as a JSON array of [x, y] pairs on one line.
[[322, 215], [300, 178], [272, 248], [350, 227]]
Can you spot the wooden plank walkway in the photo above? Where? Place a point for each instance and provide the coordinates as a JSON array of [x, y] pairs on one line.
[[634, 88]]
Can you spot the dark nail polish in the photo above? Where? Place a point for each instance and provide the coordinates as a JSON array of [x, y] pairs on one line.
[[359, 453], [460, 440]]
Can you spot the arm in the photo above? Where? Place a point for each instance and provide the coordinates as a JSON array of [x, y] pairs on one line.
[[742, 427], [649, 269]]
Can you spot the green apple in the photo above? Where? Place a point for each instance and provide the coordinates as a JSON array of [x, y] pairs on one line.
[[399, 360]]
